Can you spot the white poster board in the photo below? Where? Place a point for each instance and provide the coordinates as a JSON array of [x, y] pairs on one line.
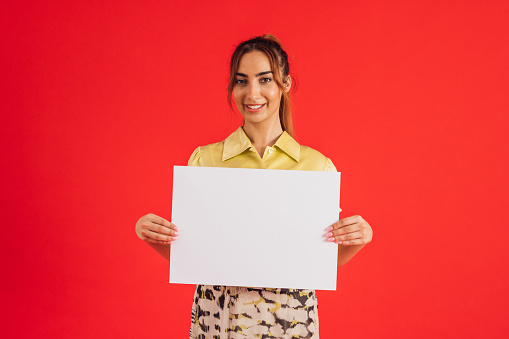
[[254, 227]]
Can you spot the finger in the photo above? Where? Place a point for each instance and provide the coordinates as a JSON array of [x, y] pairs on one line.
[[157, 236], [350, 236], [354, 242], [345, 230], [159, 229], [161, 221], [339, 238], [346, 222], [158, 241]]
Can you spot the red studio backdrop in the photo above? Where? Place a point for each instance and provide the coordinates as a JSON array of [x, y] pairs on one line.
[[100, 99]]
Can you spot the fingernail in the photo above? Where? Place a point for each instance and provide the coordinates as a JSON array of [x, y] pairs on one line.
[[330, 240], [174, 238], [329, 235], [329, 229], [169, 242], [339, 242]]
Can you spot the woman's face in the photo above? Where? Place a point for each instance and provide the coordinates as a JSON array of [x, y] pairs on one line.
[[256, 94]]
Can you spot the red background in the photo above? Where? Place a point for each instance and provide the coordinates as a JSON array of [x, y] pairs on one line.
[[101, 99]]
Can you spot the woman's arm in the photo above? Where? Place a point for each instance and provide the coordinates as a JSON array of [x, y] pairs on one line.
[[351, 234], [345, 253], [158, 232], [162, 249]]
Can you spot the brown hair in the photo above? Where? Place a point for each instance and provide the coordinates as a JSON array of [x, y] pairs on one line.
[[278, 59]]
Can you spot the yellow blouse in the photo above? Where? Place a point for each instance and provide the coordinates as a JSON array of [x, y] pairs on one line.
[[253, 312], [236, 151]]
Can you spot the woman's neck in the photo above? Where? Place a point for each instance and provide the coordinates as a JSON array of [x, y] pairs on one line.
[[262, 136]]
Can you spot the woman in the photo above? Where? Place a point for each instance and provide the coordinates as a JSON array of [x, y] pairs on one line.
[[260, 84]]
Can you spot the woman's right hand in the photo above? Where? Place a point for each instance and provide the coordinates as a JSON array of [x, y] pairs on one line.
[[154, 229]]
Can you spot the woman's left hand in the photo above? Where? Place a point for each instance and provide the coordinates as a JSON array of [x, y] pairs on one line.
[[350, 231]]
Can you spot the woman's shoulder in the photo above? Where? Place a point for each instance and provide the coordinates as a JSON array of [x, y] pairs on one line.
[[213, 150], [308, 152], [214, 154], [314, 158]]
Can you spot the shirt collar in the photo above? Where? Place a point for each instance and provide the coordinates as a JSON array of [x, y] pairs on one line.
[[238, 142]]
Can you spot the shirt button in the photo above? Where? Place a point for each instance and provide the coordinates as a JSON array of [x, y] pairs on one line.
[[270, 151]]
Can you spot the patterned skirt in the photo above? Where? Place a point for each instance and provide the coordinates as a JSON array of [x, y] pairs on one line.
[[222, 312]]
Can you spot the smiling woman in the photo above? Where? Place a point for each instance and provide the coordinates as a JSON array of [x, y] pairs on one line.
[[257, 94], [266, 55], [259, 85]]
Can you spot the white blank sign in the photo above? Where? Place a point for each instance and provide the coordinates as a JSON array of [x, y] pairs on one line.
[[254, 227]]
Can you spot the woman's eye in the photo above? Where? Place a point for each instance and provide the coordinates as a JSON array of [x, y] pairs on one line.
[[240, 82], [265, 79]]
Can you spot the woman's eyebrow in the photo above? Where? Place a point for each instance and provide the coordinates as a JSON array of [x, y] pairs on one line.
[[263, 73], [258, 75]]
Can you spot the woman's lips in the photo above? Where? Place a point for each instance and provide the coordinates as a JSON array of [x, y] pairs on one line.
[[254, 108]]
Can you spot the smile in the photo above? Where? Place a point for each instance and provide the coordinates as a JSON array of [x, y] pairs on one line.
[[254, 108]]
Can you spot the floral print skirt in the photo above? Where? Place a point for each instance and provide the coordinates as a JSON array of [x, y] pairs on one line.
[[223, 312]]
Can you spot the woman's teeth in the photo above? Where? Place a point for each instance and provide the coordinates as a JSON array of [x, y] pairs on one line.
[[254, 106]]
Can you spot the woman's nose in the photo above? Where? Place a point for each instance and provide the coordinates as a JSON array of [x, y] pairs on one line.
[[254, 90]]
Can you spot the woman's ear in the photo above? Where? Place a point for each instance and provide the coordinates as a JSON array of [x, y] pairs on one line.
[[288, 83]]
